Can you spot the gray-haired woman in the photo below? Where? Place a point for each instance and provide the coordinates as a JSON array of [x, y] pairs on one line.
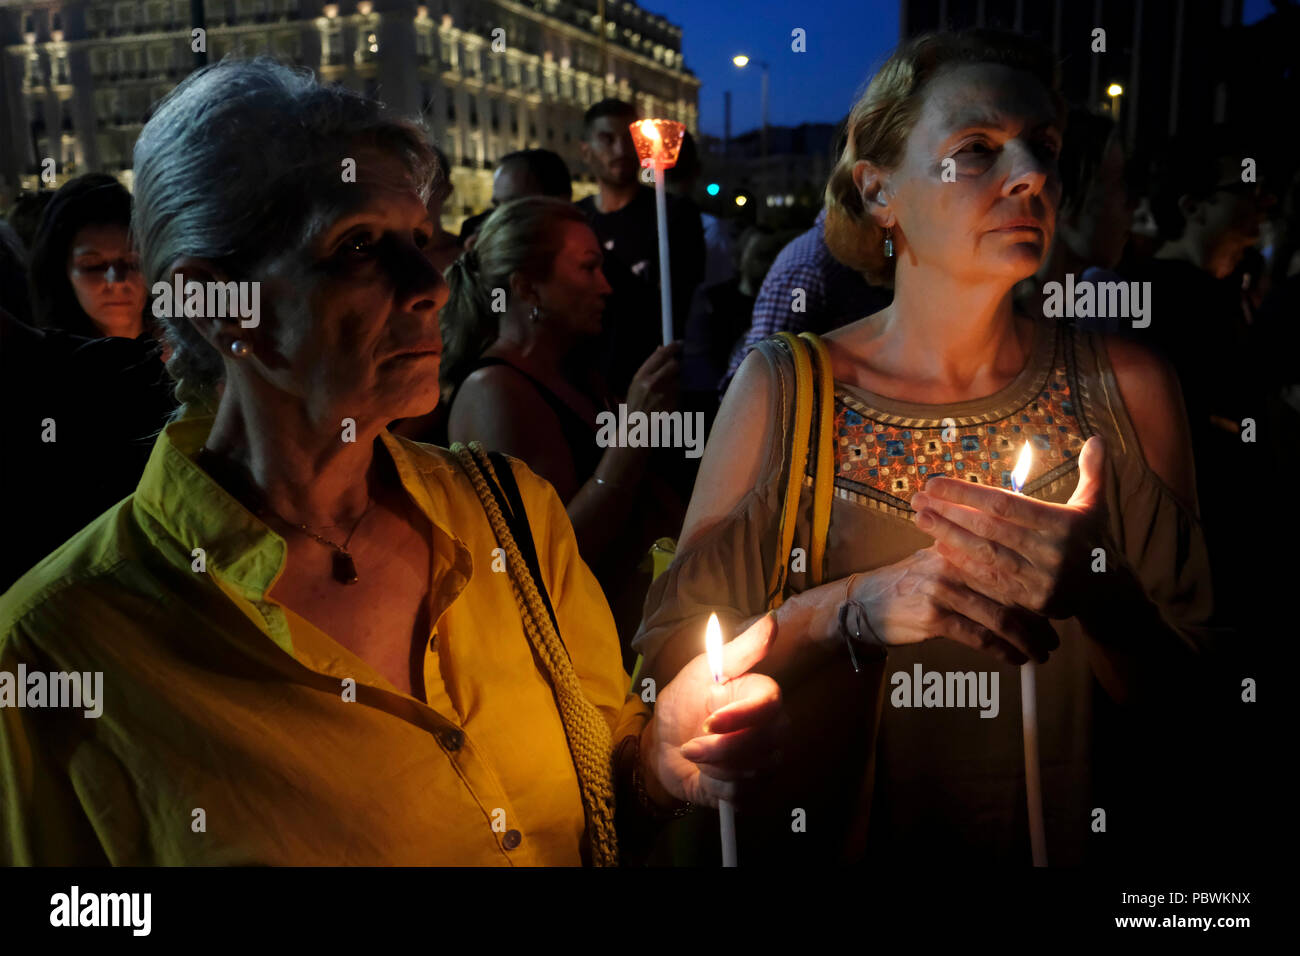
[[304, 640]]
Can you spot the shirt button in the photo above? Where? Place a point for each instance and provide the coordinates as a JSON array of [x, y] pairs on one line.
[[512, 839], [452, 739]]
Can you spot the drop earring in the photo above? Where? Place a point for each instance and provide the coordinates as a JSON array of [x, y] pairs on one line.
[[535, 315], [239, 348], [889, 243]]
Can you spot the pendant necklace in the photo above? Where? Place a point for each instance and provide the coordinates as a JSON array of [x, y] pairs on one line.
[[343, 567]]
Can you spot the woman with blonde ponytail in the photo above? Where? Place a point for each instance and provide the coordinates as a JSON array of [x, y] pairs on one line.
[[524, 299]]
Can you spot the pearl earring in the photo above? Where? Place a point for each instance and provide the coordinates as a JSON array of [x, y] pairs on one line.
[[239, 348]]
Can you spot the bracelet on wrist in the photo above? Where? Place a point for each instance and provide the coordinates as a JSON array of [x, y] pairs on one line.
[[861, 622], [647, 805]]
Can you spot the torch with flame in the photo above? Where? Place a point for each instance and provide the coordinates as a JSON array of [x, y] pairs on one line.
[[726, 812], [1029, 713], [657, 143]]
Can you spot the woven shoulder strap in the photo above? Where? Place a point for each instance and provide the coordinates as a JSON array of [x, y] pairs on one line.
[[585, 728], [824, 467]]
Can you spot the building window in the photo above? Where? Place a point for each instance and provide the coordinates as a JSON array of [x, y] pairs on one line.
[[451, 107], [124, 17], [423, 46], [331, 46], [447, 52], [159, 58], [473, 112], [288, 46]]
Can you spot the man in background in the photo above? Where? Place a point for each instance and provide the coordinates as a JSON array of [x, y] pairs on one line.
[[622, 214], [526, 172]]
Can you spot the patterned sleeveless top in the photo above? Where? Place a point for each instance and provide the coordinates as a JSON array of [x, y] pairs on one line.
[[886, 449], [938, 783]]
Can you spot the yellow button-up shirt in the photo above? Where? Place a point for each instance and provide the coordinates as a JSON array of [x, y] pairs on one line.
[[226, 735]]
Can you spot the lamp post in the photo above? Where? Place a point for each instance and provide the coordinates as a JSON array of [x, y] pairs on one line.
[[741, 60]]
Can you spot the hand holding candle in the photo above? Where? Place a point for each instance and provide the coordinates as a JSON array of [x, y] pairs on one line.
[[714, 739], [1027, 554], [1017, 550]]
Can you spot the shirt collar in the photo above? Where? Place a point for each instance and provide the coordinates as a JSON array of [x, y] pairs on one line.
[[196, 512]]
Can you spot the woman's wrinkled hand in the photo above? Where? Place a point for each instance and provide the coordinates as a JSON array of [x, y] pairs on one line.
[[1017, 550], [711, 741], [923, 597]]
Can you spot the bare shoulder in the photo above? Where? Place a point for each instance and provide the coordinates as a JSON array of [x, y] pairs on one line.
[[490, 393], [1153, 399]]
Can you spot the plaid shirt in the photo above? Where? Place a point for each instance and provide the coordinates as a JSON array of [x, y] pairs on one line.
[[834, 294]]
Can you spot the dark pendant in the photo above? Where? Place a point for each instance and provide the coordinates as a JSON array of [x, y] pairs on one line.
[[345, 569]]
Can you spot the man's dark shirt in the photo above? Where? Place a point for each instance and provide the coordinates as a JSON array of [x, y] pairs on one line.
[[629, 239], [106, 398], [1199, 325]]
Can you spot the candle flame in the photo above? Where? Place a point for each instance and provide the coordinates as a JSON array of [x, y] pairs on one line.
[[713, 645], [650, 131], [1022, 469]]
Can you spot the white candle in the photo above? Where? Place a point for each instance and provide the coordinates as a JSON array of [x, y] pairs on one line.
[[1029, 716], [726, 812]]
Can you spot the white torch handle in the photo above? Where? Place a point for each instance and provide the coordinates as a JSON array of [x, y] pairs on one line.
[[665, 275]]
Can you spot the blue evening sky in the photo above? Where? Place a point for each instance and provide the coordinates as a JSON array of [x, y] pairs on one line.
[[846, 41]]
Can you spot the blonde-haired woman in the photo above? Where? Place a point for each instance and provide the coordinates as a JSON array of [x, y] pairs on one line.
[[525, 301], [948, 188]]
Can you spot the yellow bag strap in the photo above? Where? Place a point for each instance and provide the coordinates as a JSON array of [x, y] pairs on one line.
[[803, 401], [824, 469]]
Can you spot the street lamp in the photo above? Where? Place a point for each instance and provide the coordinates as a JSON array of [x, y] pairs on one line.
[[741, 60], [1114, 91]]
